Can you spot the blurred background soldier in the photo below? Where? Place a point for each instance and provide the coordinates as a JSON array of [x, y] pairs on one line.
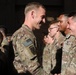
[[52, 51], [7, 45], [69, 49], [3, 58], [63, 18], [24, 41], [6, 39]]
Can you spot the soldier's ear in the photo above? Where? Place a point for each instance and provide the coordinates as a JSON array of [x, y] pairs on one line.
[[33, 14]]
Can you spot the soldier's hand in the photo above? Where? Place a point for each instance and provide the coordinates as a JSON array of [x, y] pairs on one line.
[[48, 39]]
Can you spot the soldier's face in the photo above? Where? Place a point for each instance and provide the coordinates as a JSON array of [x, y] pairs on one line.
[[39, 18], [63, 23], [52, 30], [72, 26]]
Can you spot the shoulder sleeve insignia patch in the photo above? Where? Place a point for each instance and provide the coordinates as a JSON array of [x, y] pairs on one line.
[[27, 42]]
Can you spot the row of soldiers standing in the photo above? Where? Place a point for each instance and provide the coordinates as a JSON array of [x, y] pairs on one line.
[[62, 50], [59, 53]]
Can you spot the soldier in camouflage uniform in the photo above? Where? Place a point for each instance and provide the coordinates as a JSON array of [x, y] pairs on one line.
[[69, 49], [7, 46], [24, 41], [3, 58], [6, 38], [63, 18], [57, 55], [50, 56]]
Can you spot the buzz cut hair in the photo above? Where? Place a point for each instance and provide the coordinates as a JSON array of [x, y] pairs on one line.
[[31, 6], [66, 16], [74, 17], [53, 22]]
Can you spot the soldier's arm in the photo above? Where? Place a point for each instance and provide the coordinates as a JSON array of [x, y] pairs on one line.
[[27, 54], [47, 58]]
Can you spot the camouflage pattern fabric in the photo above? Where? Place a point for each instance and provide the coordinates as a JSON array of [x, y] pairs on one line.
[[49, 54], [47, 59], [5, 42], [69, 56], [24, 44], [40, 71]]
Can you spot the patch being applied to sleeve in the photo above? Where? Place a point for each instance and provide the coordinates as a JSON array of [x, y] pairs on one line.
[[27, 42]]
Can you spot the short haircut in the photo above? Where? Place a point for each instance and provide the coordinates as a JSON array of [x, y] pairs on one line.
[[66, 16], [32, 5], [74, 17], [63, 13], [72, 14], [53, 22]]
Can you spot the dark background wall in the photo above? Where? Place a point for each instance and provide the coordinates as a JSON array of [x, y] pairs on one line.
[[7, 14], [11, 11]]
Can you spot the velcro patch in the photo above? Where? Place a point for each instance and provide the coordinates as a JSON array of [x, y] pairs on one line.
[[27, 42]]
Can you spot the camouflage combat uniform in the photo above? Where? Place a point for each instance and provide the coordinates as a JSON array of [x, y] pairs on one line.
[[24, 43], [49, 54], [69, 56], [46, 63], [5, 42]]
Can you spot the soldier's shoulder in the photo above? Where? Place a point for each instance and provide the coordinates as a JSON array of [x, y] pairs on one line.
[[19, 33], [62, 36], [70, 37], [70, 41]]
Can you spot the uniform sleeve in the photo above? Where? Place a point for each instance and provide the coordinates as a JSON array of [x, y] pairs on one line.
[[27, 54], [26, 49], [67, 55], [47, 59]]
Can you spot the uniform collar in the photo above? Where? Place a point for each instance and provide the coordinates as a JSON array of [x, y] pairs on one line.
[[26, 27]]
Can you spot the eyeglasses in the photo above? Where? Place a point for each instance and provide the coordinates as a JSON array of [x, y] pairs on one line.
[[53, 28]]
